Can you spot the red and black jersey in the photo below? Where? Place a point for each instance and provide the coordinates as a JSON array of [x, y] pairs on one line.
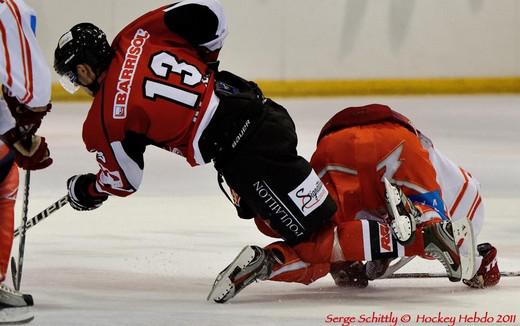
[[157, 90]]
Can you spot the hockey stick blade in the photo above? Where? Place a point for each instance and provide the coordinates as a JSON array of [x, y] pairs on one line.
[[439, 275], [396, 266], [43, 214]]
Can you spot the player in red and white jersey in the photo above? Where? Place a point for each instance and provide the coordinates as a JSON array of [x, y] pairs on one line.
[[357, 149], [157, 84], [26, 87], [155, 88]]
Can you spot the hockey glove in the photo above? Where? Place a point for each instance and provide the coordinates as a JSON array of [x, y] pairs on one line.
[[349, 274], [32, 152], [83, 195]]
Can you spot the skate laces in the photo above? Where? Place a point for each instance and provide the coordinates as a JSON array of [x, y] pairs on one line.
[[9, 290]]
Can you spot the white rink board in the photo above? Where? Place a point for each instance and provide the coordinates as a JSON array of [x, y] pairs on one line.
[[150, 259], [332, 39]]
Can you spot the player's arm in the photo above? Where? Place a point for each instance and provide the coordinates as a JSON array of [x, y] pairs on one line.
[[27, 75], [121, 170], [201, 22], [18, 132], [26, 79]]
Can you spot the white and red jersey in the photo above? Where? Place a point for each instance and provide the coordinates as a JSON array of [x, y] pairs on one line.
[[359, 146], [23, 68], [356, 149], [158, 90], [25, 74]]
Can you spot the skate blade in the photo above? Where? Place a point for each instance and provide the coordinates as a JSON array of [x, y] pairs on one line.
[[223, 284], [16, 315], [391, 197], [403, 226], [465, 241]]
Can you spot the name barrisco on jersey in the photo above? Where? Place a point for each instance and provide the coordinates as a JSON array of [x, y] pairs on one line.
[[124, 85]]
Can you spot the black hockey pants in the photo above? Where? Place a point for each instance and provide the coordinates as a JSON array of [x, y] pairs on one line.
[[252, 141]]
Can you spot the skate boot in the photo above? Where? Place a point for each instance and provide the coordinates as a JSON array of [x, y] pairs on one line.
[[349, 274], [488, 274], [252, 263], [439, 243], [10, 298], [402, 214], [15, 307]]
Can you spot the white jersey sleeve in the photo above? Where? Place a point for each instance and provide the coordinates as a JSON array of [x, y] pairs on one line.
[[460, 190], [23, 68]]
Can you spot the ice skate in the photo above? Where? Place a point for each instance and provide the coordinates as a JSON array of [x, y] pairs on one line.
[[402, 214], [488, 274], [439, 243], [252, 263], [10, 298], [15, 307]]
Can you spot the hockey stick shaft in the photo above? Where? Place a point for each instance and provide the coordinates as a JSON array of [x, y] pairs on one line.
[[43, 214], [21, 246], [440, 275]]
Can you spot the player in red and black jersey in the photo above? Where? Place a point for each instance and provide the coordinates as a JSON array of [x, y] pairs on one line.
[[157, 84]]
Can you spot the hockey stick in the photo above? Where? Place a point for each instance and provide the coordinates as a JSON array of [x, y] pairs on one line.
[[395, 267], [43, 214], [16, 268], [440, 275]]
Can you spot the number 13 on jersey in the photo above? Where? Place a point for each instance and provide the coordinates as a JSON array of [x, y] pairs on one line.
[[162, 65]]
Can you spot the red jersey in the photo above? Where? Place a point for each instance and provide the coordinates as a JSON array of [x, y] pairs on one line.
[[158, 90]]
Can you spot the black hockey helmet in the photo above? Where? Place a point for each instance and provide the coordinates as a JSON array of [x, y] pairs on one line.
[[83, 43]]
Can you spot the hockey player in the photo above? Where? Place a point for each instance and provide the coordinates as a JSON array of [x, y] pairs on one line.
[[26, 86], [157, 84], [358, 151]]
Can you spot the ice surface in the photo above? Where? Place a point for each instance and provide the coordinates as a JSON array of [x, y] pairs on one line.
[[150, 259]]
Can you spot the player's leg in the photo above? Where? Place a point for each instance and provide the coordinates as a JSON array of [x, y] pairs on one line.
[[277, 184], [276, 262], [338, 250], [8, 191]]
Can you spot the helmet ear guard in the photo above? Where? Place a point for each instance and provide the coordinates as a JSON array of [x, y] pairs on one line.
[[84, 43]]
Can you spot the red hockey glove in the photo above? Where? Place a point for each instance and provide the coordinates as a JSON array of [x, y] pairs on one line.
[[83, 195], [32, 153], [488, 274]]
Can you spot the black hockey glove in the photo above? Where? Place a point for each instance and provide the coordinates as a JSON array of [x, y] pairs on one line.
[[349, 274], [83, 195]]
